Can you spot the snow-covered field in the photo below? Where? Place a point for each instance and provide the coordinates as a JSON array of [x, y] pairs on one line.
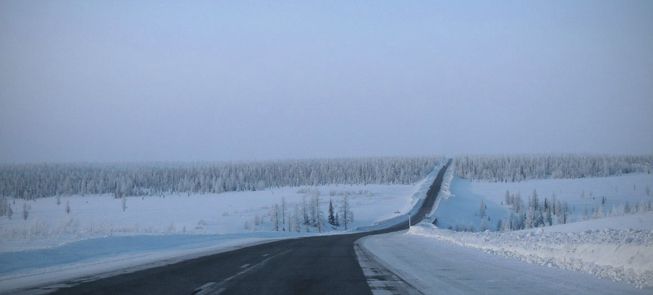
[[584, 196], [97, 236], [95, 216]]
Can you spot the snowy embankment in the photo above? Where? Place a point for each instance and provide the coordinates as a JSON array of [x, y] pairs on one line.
[[584, 198], [443, 261], [616, 248], [101, 234]]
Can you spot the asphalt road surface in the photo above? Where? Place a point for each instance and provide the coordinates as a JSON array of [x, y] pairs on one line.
[[313, 265]]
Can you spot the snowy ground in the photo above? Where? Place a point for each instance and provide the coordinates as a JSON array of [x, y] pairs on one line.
[[583, 195], [431, 261], [48, 224], [98, 237], [617, 248]]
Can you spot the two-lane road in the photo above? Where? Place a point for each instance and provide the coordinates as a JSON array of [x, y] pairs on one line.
[[314, 265]]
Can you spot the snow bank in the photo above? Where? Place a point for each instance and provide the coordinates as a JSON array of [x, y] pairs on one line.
[[616, 248]]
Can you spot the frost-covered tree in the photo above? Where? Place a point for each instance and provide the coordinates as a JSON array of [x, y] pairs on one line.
[[317, 215], [26, 208], [346, 214], [518, 204], [283, 213], [5, 208], [529, 222], [305, 210], [297, 219], [549, 217], [275, 216]]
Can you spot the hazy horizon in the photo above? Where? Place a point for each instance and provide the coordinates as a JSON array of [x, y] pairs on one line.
[[158, 81]]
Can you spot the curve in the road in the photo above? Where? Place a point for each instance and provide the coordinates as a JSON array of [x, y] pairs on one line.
[[313, 265]]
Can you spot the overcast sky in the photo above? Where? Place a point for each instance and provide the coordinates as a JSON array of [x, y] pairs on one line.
[[237, 80]]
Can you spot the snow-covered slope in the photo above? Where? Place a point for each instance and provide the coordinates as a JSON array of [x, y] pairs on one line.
[[616, 248], [584, 196], [427, 259]]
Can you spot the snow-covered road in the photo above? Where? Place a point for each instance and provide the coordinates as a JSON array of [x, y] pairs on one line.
[[439, 267]]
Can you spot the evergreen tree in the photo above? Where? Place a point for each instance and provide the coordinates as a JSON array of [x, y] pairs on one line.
[[332, 218], [283, 213]]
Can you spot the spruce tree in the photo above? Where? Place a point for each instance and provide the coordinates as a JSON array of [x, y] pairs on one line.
[[332, 219]]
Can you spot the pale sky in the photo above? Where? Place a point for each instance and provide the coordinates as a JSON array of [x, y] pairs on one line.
[[238, 80]]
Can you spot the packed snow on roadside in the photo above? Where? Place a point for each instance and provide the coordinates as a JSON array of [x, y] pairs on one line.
[[617, 248], [585, 198], [443, 261]]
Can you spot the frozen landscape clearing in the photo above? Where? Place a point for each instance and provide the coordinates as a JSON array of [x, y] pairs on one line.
[[100, 216], [97, 236]]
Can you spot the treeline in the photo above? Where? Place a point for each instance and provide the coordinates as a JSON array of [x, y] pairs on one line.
[[30, 181], [519, 168]]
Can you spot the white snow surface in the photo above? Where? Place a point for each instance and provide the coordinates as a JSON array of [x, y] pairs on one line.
[[460, 207], [616, 248], [562, 258], [98, 216], [98, 237]]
